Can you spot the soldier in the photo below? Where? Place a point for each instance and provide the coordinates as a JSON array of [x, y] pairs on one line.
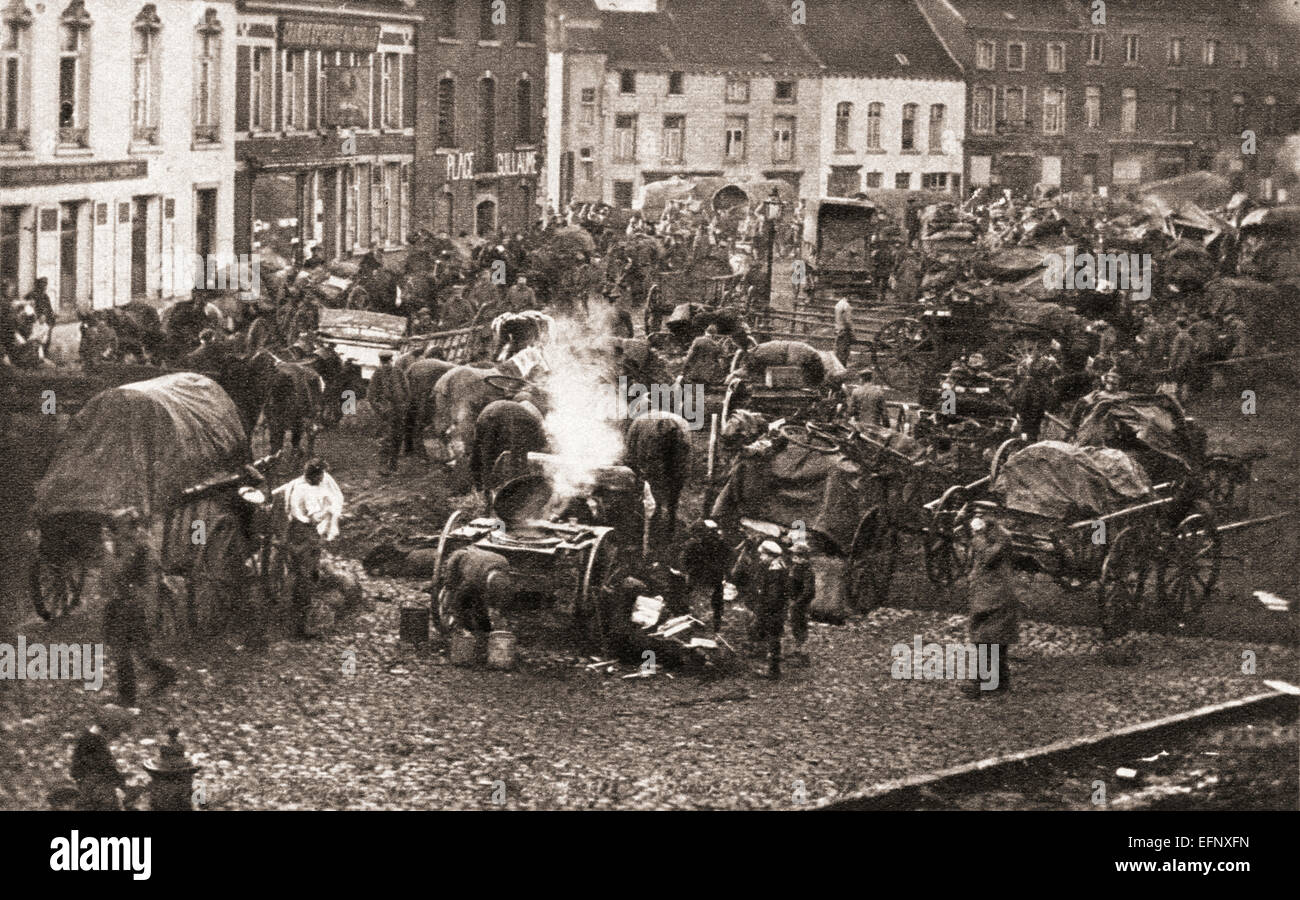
[[520, 296], [476, 583], [843, 330], [991, 602], [766, 581], [390, 397], [867, 402], [93, 767], [313, 504], [704, 559], [802, 593], [134, 570]]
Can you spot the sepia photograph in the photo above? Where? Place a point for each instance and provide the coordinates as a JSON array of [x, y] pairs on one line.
[[650, 405]]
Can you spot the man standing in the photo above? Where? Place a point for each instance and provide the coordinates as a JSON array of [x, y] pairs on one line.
[[312, 504], [389, 395], [93, 767], [867, 402], [991, 603], [843, 330], [802, 593], [768, 586], [704, 559], [704, 359], [1182, 359], [520, 296], [134, 569], [912, 221], [39, 299]]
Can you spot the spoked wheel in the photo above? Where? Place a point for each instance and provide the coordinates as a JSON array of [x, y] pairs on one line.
[[872, 556], [1188, 571], [443, 617], [1018, 348], [947, 543], [56, 588], [591, 612], [1123, 582], [904, 350]]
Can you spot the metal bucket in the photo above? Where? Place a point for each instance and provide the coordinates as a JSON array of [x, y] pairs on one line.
[[502, 650], [413, 625], [464, 648]]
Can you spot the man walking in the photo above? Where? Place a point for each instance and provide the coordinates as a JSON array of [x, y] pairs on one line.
[[134, 569], [313, 504], [389, 396], [802, 593]]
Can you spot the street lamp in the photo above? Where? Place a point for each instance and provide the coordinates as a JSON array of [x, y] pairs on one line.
[[771, 212]]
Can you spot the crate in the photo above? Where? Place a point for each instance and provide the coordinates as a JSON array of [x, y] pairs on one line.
[[784, 377]]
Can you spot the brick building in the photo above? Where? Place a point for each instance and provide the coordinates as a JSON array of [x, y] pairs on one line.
[[1158, 89], [643, 92], [480, 115], [325, 125]]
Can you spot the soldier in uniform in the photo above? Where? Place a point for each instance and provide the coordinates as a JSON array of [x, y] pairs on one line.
[[476, 582], [133, 571], [389, 396], [767, 584], [991, 601], [802, 593]]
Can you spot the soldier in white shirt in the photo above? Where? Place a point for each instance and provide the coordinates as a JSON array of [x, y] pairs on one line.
[[843, 330], [313, 504]]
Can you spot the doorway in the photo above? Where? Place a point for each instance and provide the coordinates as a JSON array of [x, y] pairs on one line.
[[205, 215], [140, 248], [68, 258]]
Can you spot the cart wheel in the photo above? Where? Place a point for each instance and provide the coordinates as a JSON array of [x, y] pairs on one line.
[[947, 546], [1188, 570], [1004, 451], [439, 590], [872, 556], [1123, 581], [591, 613], [56, 589], [1227, 485], [904, 350], [809, 438]]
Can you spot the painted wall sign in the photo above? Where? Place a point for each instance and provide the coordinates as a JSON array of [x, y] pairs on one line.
[[460, 166], [25, 176], [518, 162]]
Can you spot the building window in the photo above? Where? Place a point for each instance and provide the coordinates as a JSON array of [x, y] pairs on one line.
[[294, 89], [1270, 114], [903, 180], [588, 96], [1210, 52], [675, 80], [627, 82], [1013, 108], [737, 90], [875, 114], [674, 139], [782, 139], [784, 92], [874, 179], [936, 127], [1271, 57], [15, 31], [74, 74], [1240, 55], [982, 112], [524, 111], [145, 74], [908, 140], [1053, 111], [1238, 113], [1210, 111], [843, 119], [1128, 115], [261, 90], [1092, 107], [735, 137], [623, 194], [1130, 49], [487, 28], [1174, 57], [392, 90], [447, 18], [625, 138], [207, 79], [446, 112], [934, 181], [487, 113], [1173, 110], [1016, 56], [1055, 56], [985, 54], [1096, 49], [1127, 169], [525, 31]]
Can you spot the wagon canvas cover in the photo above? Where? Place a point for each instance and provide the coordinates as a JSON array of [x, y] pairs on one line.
[[141, 444], [1154, 421], [795, 484], [1060, 481]]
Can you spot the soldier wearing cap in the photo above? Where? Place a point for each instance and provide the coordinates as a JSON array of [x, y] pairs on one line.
[[867, 401], [134, 570], [389, 396], [704, 559], [991, 601], [767, 583], [802, 592]]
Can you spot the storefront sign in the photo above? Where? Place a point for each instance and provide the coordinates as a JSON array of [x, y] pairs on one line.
[[460, 166], [328, 36], [26, 176]]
